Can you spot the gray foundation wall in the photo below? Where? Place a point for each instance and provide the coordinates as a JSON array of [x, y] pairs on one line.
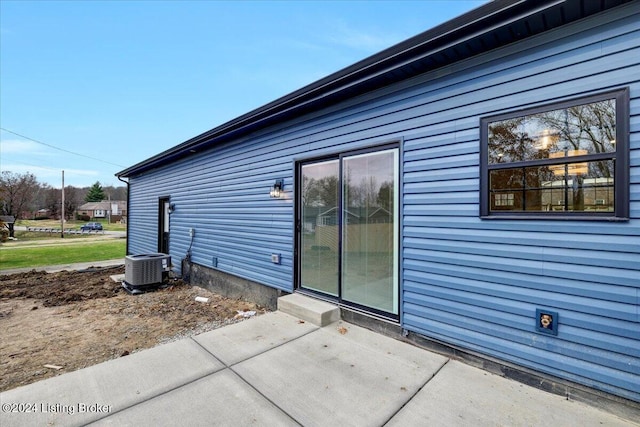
[[230, 286]]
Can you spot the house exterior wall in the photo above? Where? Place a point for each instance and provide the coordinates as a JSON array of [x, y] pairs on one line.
[[467, 282]]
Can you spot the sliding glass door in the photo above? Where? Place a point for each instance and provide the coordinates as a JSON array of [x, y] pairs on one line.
[[348, 228], [319, 235], [369, 230]]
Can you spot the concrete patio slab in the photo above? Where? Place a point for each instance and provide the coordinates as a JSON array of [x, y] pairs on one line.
[[220, 399], [253, 336], [331, 377], [283, 372], [463, 395], [112, 386]]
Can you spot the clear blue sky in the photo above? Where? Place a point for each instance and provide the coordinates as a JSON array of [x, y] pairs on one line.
[[119, 82]]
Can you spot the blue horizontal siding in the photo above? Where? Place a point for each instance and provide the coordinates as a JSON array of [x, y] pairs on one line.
[[458, 332], [452, 186], [480, 290], [593, 347], [442, 175], [235, 219], [503, 284], [574, 256], [577, 232], [466, 281]]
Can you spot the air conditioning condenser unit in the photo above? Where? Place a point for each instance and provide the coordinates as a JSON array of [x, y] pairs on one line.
[[145, 271]]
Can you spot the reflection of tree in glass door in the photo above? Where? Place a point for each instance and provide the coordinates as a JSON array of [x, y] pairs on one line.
[[319, 231], [370, 232]]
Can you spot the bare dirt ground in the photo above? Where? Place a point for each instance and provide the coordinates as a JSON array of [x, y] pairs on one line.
[[71, 320]]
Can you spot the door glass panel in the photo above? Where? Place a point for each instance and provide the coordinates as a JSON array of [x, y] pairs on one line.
[[370, 230], [319, 227]]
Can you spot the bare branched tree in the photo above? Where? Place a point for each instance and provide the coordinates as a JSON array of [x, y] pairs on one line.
[[17, 193]]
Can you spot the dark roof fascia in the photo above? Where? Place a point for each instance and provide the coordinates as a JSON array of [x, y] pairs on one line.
[[353, 79]]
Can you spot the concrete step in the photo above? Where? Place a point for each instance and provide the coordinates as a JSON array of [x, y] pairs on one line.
[[311, 310]]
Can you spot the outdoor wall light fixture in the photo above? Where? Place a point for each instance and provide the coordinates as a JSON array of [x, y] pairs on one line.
[[172, 208], [276, 190]]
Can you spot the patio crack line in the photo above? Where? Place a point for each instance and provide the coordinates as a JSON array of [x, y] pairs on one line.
[[263, 396], [208, 374], [230, 368], [257, 354], [225, 366], [417, 391], [156, 396], [209, 353], [273, 348]]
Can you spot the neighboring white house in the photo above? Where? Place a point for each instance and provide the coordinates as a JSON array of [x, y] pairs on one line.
[[112, 210]]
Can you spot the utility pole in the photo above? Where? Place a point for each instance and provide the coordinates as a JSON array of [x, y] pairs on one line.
[[62, 210]]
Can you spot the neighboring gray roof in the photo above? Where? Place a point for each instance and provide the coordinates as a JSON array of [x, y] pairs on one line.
[[105, 205], [7, 219], [485, 28]]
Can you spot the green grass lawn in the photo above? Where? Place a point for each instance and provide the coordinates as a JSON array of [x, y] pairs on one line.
[[69, 253]]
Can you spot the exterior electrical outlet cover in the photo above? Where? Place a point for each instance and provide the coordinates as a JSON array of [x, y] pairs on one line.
[[275, 258]]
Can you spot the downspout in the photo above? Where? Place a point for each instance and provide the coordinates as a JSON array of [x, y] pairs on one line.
[[128, 204]]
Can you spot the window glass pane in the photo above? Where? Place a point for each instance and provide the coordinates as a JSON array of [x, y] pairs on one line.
[[571, 187], [578, 130], [319, 258], [506, 179], [370, 230]]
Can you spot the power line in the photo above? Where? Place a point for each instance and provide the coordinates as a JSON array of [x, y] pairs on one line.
[[58, 148]]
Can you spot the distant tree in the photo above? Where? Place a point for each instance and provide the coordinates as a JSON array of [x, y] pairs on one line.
[[95, 194], [40, 200], [369, 189], [115, 193], [309, 190], [17, 193], [72, 199], [328, 190], [52, 197], [320, 192], [385, 195]]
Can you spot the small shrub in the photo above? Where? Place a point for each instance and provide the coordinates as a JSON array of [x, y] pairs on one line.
[[4, 233]]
